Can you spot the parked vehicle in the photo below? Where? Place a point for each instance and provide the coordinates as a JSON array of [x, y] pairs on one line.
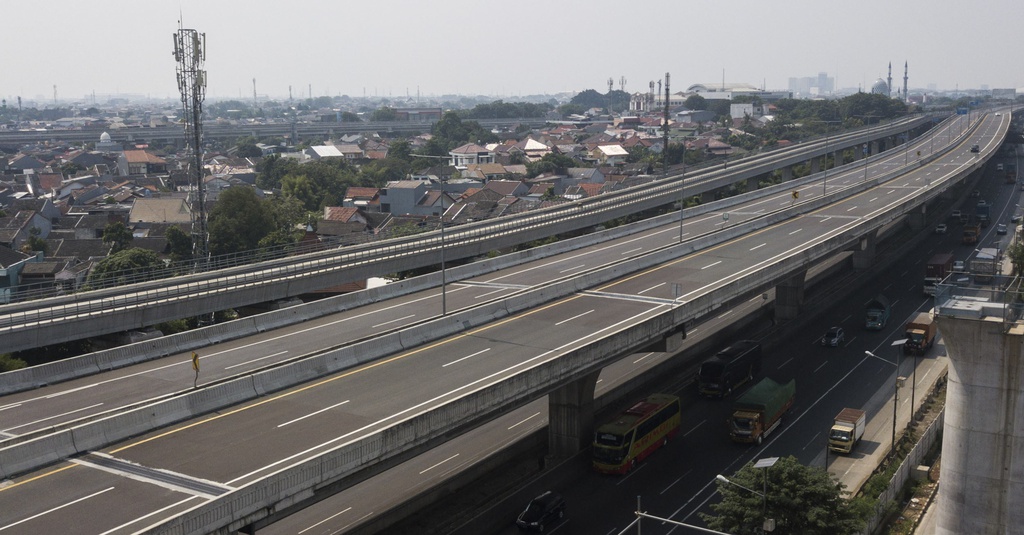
[[847, 428], [543, 511], [833, 337], [920, 333], [1011, 173], [985, 265], [759, 410], [635, 433], [939, 265], [729, 368], [877, 313]]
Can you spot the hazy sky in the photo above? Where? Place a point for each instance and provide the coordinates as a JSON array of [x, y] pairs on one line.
[[504, 49]]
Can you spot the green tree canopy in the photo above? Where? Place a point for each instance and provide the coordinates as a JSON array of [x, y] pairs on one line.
[[238, 221], [126, 267], [384, 113], [179, 243], [696, 102], [802, 500], [272, 169], [118, 235]]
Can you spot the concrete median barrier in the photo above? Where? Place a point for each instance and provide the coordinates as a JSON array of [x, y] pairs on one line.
[[26, 456]]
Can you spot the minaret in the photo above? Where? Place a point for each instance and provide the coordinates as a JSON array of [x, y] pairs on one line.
[[906, 98], [888, 81]]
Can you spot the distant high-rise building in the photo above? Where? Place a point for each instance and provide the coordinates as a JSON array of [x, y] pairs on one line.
[[809, 86]]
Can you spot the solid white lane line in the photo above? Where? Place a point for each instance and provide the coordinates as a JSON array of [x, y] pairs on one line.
[[758, 246], [343, 511], [524, 420], [632, 251], [820, 366], [574, 268], [59, 507], [795, 231], [694, 428], [784, 363], [393, 321], [641, 292], [574, 317], [54, 416], [499, 290], [466, 357], [143, 517], [325, 409], [256, 360], [712, 264], [438, 464]]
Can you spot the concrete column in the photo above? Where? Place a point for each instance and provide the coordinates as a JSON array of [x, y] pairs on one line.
[[874, 147], [571, 417], [983, 440], [864, 254], [916, 218], [787, 173], [752, 183], [789, 296], [815, 165]]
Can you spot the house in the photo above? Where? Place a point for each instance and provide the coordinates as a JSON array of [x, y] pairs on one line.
[[513, 188], [322, 151], [43, 207], [609, 154], [140, 162], [484, 171], [351, 151], [412, 197], [23, 162], [11, 264], [169, 209], [16, 230], [362, 198], [468, 154], [344, 224]]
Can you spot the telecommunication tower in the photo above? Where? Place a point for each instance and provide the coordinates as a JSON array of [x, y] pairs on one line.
[[189, 52]]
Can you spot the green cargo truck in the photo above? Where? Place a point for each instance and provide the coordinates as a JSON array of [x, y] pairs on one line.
[[759, 410]]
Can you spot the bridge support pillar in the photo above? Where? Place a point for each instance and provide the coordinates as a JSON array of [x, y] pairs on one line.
[[873, 147], [789, 296], [916, 218], [752, 183], [815, 165], [864, 254], [787, 173], [571, 417]]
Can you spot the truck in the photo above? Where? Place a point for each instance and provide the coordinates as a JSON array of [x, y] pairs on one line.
[[984, 265], [939, 265], [971, 233], [920, 334], [1011, 173], [981, 213], [877, 313], [847, 428], [759, 410], [729, 368]]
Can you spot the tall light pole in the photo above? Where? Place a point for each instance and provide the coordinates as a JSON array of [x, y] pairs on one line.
[[898, 344], [768, 524]]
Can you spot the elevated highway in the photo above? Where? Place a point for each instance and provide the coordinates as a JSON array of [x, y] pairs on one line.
[[53, 320], [433, 391]]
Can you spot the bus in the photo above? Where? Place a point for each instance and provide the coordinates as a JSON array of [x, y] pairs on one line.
[[729, 368], [635, 433]]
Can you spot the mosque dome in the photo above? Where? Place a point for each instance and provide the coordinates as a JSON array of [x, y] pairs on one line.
[[104, 138], [880, 87]]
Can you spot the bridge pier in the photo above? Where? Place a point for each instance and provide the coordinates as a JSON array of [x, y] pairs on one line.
[[983, 443], [789, 296], [864, 254], [571, 417], [815, 165], [916, 219], [787, 173]]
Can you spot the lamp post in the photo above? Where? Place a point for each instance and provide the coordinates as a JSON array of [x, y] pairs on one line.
[[444, 282], [768, 524], [898, 344], [682, 189]]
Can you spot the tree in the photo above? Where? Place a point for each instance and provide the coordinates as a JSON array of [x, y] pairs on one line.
[[801, 500], [179, 243], [349, 117], [118, 235], [238, 221], [696, 102], [384, 113], [126, 267], [272, 169], [1015, 252]]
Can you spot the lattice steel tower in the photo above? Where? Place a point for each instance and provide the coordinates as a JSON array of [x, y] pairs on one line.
[[189, 52]]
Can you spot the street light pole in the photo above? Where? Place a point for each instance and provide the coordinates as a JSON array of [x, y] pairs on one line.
[[768, 524]]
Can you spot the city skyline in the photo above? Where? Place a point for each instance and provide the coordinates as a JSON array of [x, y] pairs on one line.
[[397, 48]]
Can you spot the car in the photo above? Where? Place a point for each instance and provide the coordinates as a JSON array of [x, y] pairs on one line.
[[543, 511], [956, 214], [1016, 218], [976, 193], [998, 114], [940, 228], [1001, 229], [958, 265], [975, 148], [833, 337]]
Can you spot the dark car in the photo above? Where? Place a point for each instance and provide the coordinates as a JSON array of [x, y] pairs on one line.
[[543, 511], [833, 337], [975, 148], [1001, 229]]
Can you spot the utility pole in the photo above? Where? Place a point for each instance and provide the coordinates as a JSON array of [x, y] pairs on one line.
[[664, 128]]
